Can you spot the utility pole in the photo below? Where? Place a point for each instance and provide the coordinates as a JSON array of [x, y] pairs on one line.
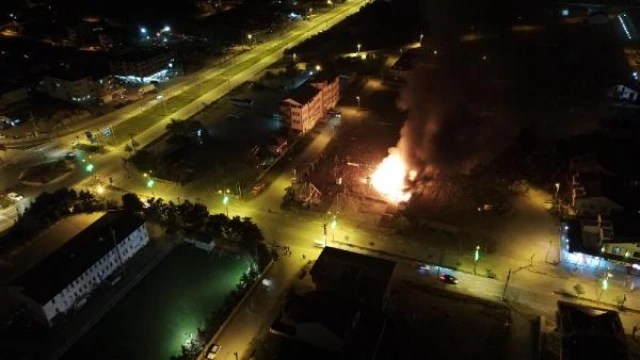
[[504, 292], [324, 226]]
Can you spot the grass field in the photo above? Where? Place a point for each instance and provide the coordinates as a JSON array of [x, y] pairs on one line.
[[159, 314]]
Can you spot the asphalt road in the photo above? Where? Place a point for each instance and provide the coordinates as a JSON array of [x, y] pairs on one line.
[[110, 165]]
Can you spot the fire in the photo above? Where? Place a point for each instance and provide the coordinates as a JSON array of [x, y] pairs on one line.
[[390, 177]]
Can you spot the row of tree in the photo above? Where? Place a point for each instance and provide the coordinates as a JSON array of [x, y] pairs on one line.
[[47, 209]]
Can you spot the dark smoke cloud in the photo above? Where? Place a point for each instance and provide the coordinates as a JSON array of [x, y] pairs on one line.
[[447, 128]]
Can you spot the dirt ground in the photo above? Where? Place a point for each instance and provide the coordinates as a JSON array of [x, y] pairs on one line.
[[434, 324]]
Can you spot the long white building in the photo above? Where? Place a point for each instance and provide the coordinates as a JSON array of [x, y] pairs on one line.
[[64, 279]]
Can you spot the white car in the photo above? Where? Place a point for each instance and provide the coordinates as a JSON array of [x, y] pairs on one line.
[[213, 351], [15, 196]]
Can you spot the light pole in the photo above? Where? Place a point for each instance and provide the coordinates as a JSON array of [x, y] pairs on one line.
[[161, 98], [324, 228], [225, 201], [476, 257], [359, 46], [421, 37], [605, 285], [358, 99], [557, 189], [249, 36]]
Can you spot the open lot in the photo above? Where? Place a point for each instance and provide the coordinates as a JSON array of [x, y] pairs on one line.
[[161, 312], [225, 157], [432, 323]]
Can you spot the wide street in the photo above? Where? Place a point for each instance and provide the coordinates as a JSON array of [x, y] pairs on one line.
[[219, 80]]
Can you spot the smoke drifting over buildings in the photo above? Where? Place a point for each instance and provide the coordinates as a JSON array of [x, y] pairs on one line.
[[446, 129]]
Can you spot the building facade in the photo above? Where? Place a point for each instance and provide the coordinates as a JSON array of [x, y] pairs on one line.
[[143, 66], [309, 104], [75, 84], [64, 280]]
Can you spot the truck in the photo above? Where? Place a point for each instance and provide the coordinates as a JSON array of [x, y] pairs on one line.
[[146, 89], [242, 102]]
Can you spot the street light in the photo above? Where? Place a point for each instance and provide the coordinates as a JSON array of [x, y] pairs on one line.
[[421, 37], [89, 167], [100, 189], [143, 30], [150, 183], [557, 188], [225, 201], [359, 46], [358, 99], [476, 257], [318, 68]]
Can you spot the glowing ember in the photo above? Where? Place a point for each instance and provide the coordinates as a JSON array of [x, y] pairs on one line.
[[389, 178]]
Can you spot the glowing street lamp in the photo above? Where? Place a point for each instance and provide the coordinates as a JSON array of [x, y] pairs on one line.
[[358, 99], [225, 201], [100, 189], [421, 37], [359, 46], [318, 68], [557, 188], [166, 28], [89, 167], [476, 257], [150, 183], [143, 30]]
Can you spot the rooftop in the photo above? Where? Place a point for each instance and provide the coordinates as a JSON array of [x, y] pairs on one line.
[[625, 225], [591, 332], [363, 276], [303, 94], [334, 314], [138, 55], [48, 277], [75, 72]]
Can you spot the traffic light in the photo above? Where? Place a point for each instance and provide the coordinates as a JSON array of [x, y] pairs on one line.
[[89, 167]]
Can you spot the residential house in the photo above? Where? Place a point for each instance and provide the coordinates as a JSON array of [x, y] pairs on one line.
[[624, 92], [597, 197], [586, 332], [304, 107], [344, 274], [65, 279]]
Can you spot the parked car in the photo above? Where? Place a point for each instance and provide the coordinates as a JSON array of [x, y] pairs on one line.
[[213, 351], [15, 196]]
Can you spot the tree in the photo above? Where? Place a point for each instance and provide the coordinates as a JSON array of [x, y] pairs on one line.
[[132, 202]]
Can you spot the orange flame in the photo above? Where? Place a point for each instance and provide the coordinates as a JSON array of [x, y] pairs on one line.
[[389, 178]]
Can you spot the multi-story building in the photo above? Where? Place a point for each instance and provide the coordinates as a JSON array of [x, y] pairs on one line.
[[65, 278], [308, 104], [143, 65], [75, 84]]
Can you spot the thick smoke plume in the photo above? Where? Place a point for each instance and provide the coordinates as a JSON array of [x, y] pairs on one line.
[[447, 128]]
